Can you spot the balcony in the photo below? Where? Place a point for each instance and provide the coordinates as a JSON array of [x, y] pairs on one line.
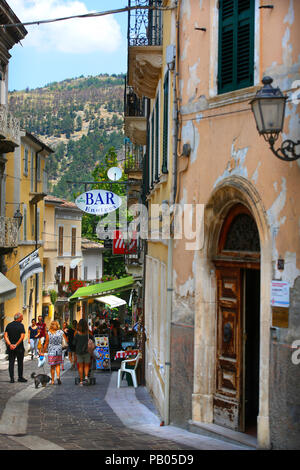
[[9, 229], [135, 123], [134, 169], [134, 262], [9, 131], [144, 47]]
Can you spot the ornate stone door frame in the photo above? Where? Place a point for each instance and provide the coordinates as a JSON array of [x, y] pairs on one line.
[[233, 190]]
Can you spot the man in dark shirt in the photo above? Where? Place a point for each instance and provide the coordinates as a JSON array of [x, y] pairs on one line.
[[14, 336]]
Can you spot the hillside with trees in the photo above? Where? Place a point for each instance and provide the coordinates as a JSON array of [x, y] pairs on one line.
[[79, 118]]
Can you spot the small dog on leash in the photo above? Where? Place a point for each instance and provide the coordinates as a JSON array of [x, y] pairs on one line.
[[42, 379]]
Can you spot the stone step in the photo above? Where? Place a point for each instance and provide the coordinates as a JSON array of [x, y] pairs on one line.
[[220, 432]]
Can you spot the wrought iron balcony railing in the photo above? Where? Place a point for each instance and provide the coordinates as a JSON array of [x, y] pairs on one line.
[[133, 157], [144, 25], [133, 105], [9, 230]]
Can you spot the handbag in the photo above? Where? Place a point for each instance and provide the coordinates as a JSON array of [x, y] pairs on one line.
[[64, 343]]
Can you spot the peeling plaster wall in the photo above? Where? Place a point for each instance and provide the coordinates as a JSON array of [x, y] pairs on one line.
[[225, 144]]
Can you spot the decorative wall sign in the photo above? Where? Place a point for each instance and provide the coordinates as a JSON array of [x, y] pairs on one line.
[[98, 202]]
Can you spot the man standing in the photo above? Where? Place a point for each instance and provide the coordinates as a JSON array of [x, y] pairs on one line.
[[42, 329], [14, 336]]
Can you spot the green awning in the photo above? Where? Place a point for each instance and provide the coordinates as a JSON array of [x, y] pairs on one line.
[[96, 289]]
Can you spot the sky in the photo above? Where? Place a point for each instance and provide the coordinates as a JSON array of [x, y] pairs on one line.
[[67, 49]]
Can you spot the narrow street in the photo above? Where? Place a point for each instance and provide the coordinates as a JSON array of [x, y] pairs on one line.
[[99, 417]]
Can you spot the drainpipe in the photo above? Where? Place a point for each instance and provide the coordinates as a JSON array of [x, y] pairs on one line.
[[36, 232], [171, 242]]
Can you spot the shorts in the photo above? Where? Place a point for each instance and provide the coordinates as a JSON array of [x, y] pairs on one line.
[[86, 358]]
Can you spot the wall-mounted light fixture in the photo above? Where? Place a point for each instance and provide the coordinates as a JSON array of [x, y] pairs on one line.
[[18, 215], [268, 108]]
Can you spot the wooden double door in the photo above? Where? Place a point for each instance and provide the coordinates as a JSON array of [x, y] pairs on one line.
[[237, 355]]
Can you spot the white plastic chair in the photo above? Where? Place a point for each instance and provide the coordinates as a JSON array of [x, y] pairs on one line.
[[129, 371]]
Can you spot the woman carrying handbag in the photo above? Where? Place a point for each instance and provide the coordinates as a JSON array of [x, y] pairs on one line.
[[82, 342]]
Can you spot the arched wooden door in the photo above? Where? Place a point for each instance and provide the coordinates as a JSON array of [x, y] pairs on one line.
[[238, 293]]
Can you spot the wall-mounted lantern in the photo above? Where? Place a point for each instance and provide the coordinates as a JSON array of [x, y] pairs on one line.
[[18, 216], [268, 108]]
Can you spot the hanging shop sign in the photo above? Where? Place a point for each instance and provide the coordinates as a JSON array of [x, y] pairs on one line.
[[98, 202], [122, 247]]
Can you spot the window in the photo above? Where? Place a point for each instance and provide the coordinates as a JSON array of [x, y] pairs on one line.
[[32, 172], [85, 273], [152, 152], [37, 288], [156, 139], [165, 125], [25, 294], [236, 45], [26, 161], [38, 166], [73, 247], [60, 241], [45, 181], [24, 223], [38, 218]]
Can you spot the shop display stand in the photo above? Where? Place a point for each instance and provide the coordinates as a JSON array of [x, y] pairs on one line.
[[103, 349]]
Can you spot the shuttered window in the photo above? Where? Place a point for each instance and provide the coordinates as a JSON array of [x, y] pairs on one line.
[[152, 151], [236, 45], [157, 139], [73, 247], [60, 241], [165, 125]]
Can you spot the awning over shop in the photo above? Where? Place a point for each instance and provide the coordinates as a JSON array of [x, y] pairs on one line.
[[7, 289], [75, 262], [111, 300], [103, 287]]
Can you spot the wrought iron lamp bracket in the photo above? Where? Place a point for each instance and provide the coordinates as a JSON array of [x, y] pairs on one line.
[[287, 150]]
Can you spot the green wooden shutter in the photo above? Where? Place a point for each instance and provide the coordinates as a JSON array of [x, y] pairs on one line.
[[165, 125], [157, 139], [236, 45], [152, 151]]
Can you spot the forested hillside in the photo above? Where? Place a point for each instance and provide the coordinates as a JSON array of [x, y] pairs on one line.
[[79, 118]]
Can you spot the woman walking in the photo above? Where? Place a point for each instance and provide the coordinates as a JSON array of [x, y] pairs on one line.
[[71, 347], [81, 349], [33, 338], [53, 343]]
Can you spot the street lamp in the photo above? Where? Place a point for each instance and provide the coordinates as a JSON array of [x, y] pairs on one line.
[[268, 108], [18, 216]]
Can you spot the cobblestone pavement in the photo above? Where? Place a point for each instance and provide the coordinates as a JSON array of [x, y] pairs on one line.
[[98, 417]]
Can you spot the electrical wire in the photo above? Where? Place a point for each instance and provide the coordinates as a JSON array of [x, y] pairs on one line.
[[87, 15]]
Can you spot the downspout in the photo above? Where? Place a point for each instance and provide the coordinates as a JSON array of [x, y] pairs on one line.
[[36, 232], [170, 241]]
